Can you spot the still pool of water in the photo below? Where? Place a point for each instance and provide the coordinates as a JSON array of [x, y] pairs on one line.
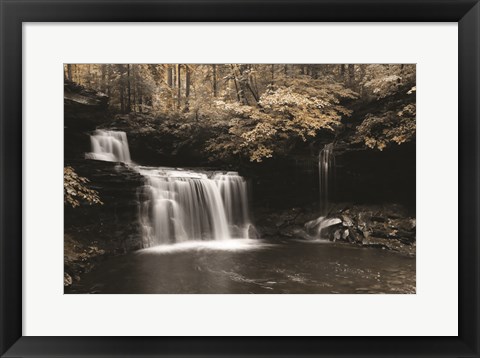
[[252, 266]]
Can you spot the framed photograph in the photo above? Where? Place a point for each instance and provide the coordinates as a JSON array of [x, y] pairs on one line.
[[239, 178]]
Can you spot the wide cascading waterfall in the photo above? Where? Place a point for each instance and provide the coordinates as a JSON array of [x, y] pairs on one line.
[[177, 205], [111, 146]]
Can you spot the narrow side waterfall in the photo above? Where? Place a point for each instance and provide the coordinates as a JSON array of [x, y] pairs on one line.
[[326, 168], [326, 173], [177, 205], [110, 146]]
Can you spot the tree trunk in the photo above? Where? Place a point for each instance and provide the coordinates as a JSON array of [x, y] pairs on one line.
[[248, 82], [76, 75], [69, 72], [103, 83], [179, 93], [342, 72], [122, 100], [174, 84], [109, 76], [214, 80], [254, 94], [236, 89], [134, 89], [239, 87], [174, 76], [170, 77], [360, 80], [187, 86], [251, 84], [89, 76], [273, 74], [129, 91], [351, 75]]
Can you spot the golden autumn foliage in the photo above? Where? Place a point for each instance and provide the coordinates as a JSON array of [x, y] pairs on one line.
[[378, 131], [295, 111], [75, 189], [256, 111]]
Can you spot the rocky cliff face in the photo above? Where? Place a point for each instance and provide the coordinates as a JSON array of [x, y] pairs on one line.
[[93, 232], [84, 110], [81, 103]]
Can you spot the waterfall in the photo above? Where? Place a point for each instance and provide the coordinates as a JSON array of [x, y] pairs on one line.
[[326, 172], [326, 168], [177, 205], [233, 190], [109, 146]]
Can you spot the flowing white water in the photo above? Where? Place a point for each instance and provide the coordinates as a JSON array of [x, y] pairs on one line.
[[110, 146], [326, 171], [177, 205], [321, 223], [326, 167], [233, 190], [182, 205], [212, 245]]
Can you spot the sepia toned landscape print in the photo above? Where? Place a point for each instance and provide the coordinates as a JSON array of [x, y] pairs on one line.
[[239, 178]]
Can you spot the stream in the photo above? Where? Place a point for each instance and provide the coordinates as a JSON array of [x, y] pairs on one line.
[[197, 237], [252, 266]]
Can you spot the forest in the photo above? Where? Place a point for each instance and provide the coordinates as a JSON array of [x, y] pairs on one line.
[[270, 153], [257, 111]]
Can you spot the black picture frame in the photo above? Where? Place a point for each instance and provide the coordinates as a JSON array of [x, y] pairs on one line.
[[15, 12]]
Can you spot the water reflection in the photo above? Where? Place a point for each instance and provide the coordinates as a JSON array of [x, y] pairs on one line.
[[253, 266]]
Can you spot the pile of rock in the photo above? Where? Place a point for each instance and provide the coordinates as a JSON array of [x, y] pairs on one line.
[[386, 226]]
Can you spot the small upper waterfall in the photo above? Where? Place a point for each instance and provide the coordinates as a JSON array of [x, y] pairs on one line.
[[326, 168], [111, 146], [177, 205]]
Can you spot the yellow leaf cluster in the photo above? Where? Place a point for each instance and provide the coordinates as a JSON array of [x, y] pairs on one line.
[[75, 189]]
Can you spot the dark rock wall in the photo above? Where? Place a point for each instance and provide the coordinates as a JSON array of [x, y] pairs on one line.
[[84, 111], [94, 232], [115, 220], [361, 176], [372, 176], [283, 183]]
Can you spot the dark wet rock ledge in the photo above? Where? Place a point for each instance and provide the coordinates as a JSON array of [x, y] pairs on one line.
[[387, 226]]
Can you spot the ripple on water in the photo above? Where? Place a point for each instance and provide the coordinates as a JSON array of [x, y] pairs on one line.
[[252, 266]]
